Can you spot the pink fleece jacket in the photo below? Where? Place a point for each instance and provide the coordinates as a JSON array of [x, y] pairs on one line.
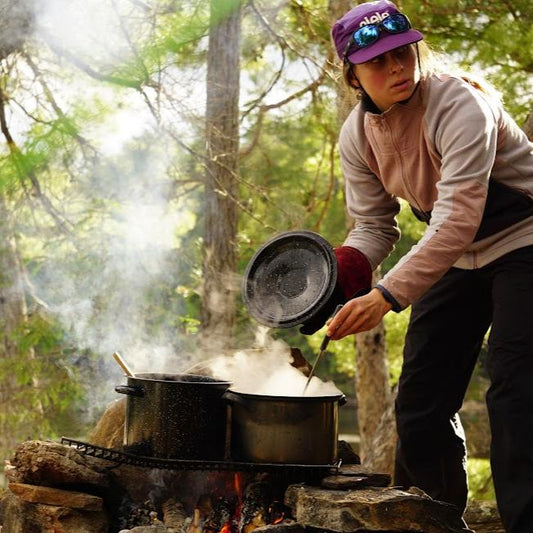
[[438, 151]]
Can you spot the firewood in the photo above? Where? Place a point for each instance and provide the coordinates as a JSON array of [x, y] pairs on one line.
[[220, 516], [256, 506], [195, 526], [54, 465], [174, 515], [58, 497], [109, 431]]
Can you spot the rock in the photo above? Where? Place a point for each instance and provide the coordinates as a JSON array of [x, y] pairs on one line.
[[346, 453], [373, 509], [23, 517], [149, 529], [483, 517], [51, 464], [285, 526], [58, 497], [355, 476], [109, 430]]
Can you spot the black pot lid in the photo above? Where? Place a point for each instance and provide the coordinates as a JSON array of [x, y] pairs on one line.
[[289, 279]]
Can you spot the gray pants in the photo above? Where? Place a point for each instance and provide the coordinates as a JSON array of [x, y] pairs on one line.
[[442, 344]]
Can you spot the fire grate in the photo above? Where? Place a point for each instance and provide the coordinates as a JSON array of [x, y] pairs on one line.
[[121, 457]]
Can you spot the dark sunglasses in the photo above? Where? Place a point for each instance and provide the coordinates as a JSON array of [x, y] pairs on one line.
[[369, 34]]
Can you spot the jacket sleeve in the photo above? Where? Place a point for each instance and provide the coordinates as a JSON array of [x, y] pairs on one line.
[[464, 128], [371, 207]]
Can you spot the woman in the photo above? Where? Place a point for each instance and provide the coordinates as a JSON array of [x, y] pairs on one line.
[[446, 146]]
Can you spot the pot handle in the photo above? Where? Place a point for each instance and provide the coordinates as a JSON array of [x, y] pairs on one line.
[[342, 400], [130, 391], [232, 397]]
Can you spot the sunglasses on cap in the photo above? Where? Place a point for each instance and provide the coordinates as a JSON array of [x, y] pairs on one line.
[[370, 33]]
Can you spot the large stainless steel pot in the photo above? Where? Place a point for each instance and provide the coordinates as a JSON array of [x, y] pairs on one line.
[[175, 416], [284, 429]]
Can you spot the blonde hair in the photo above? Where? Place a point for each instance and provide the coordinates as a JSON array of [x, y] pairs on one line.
[[431, 62]]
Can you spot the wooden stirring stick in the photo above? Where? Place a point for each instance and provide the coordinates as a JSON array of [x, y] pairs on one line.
[[123, 365]]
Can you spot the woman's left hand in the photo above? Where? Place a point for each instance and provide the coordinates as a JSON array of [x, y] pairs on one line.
[[359, 314]]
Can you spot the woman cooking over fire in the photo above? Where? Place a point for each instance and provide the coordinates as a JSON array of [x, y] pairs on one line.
[[444, 144]]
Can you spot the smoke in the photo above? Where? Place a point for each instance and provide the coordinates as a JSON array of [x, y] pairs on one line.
[[86, 29], [110, 285], [129, 252], [105, 288], [17, 18]]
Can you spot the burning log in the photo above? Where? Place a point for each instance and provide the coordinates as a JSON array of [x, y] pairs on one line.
[[174, 515], [256, 506], [144, 514], [220, 518], [195, 526]]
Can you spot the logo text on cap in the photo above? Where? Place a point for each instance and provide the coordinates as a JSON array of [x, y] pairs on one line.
[[373, 19]]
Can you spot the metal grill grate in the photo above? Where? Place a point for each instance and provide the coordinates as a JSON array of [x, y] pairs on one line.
[[121, 457]]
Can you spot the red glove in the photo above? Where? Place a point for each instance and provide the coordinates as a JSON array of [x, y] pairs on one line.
[[354, 278], [354, 273]]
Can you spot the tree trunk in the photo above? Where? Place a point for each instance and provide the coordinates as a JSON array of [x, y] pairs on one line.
[[528, 126], [375, 403], [374, 399], [221, 188]]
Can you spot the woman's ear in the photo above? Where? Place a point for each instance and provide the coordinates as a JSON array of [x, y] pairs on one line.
[[353, 78]]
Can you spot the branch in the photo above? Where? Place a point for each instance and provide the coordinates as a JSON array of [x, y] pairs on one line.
[[15, 152], [82, 141], [115, 80]]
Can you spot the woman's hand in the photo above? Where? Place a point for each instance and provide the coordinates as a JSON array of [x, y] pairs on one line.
[[359, 314]]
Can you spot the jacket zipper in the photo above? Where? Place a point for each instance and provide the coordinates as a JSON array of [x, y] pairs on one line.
[[405, 182]]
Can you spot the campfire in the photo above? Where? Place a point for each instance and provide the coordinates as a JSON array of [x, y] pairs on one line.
[[147, 468], [58, 488], [230, 510]]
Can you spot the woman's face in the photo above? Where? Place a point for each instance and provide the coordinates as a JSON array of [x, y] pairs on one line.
[[390, 77]]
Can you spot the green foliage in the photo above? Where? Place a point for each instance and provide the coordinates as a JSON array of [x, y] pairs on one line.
[[480, 480], [493, 38], [395, 329], [66, 194], [42, 387]]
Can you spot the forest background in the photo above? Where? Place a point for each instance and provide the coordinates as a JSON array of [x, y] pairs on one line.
[[149, 148]]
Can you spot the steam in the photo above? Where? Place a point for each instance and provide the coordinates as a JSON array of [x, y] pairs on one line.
[[268, 371]]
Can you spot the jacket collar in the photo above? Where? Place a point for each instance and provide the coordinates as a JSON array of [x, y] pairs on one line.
[[415, 100]]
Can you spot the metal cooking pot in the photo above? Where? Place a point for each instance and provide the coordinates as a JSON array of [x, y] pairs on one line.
[[175, 416], [284, 429]]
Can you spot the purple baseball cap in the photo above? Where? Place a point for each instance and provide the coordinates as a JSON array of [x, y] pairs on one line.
[[370, 13]]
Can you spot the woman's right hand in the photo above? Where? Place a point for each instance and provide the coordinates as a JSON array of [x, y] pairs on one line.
[[359, 314]]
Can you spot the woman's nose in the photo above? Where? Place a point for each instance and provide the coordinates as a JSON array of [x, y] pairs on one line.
[[395, 64]]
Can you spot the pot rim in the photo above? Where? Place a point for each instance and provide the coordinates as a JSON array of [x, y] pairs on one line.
[[200, 380], [274, 398]]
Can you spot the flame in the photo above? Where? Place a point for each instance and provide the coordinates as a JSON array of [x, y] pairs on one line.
[[226, 528], [237, 483], [279, 519]]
